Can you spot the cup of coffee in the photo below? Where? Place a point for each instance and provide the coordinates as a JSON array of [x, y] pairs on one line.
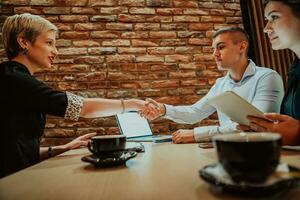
[[107, 145], [248, 157]]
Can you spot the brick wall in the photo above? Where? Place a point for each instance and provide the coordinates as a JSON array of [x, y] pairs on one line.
[[130, 49]]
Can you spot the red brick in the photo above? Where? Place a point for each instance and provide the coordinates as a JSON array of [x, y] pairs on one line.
[[203, 57], [234, 20], [195, 11], [73, 18], [161, 50], [74, 35], [20, 10], [104, 34], [42, 2], [172, 42], [121, 76], [143, 43], [87, 26], [200, 26], [159, 3], [70, 86], [93, 76], [147, 27], [103, 3], [221, 12], [120, 58], [161, 19], [186, 3], [190, 34], [119, 26], [142, 11], [88, 59], [98, 85], [178, 58], [113, 10], [152, 76], [121, 94], [199, 41], [63, 43], [72, 51], [15, 2], [132, 3], [188, 50], [164, 67], [198, 82], [73, 68], [103, 18], [86, 43], [131, 50], [134, 35], [59, 133], [181, 91], [162, 34], [149, 93], [80, 10], [212, 19], [169, 11], [102, 50], [52, 19], [116, 43], [63, 60], [64, 27], [131, 18], [165, 84], [232, 6], [210, 5], [190, 65], [149, 58], [75, 3], [175, 27], [56, 10], [182, 74], [210, 73]]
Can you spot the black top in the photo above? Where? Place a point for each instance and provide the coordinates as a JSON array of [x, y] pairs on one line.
[[24, 101], [291, 101]]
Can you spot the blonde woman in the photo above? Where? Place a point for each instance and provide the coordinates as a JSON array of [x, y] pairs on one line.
[[29, 42]]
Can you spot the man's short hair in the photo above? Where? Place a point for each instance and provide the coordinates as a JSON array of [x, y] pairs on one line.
[[27, 25], [237, 35]]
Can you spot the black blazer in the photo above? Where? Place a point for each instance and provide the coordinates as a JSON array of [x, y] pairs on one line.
[[291, 101]]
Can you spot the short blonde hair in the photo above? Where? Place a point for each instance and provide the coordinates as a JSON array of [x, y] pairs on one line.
[[27, 25]]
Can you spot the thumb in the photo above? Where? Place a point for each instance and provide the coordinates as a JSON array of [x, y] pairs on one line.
[[155, 103]]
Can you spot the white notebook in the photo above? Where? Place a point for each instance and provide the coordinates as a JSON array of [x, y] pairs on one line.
[[235, 107]]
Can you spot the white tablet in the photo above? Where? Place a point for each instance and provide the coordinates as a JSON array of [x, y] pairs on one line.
[[235, 107]]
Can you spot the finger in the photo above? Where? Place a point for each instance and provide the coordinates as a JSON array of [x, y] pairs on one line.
[[257, 127], [277, 117], [156, 104]]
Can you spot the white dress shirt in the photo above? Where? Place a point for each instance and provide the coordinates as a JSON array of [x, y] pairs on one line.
[[262, 87]]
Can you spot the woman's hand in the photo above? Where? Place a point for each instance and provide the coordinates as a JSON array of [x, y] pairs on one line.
[[81, 141], [287, 126]]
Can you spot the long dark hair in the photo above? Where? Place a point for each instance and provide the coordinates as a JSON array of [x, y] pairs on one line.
[[293, 4]]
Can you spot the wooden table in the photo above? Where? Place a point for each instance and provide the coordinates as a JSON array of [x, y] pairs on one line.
[[165, 171]]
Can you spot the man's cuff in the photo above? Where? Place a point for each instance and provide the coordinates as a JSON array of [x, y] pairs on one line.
[[205, 133]]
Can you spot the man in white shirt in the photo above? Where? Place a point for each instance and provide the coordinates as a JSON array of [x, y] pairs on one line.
[[260, 86]]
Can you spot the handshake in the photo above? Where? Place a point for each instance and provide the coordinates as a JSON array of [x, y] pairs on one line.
[[152, 109]]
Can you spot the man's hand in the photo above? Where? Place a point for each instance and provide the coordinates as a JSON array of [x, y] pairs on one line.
[[152, 109], [183, 136]]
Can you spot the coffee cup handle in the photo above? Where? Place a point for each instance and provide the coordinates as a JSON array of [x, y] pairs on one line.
[[91, 148]]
